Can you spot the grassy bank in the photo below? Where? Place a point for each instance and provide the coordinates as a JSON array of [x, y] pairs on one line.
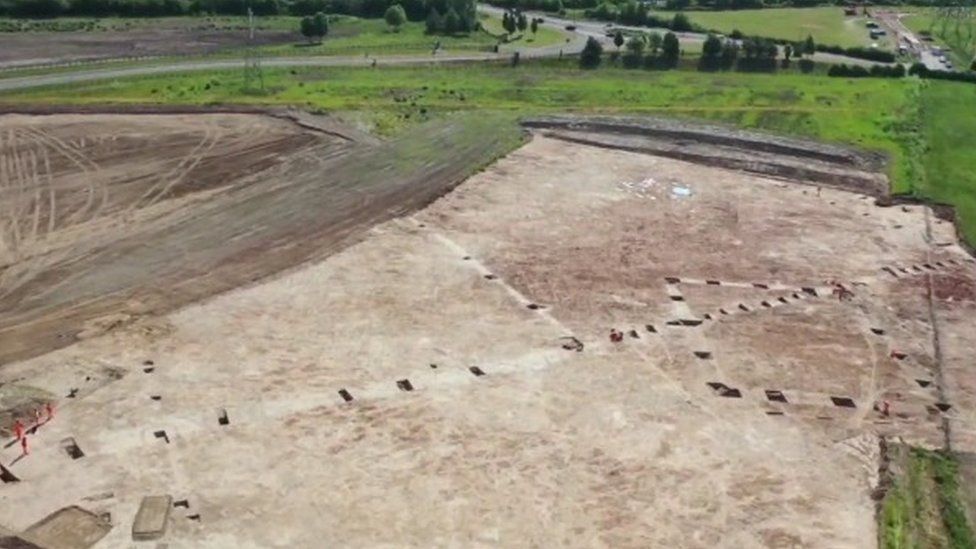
[[927, 145], [947, 131], [923, 506]]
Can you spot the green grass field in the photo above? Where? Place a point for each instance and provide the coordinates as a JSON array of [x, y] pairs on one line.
[[347, 36], [353, 36], [350, 35], [926, 145], [827, 25], [826, 108], [544, 36], [947, 130]]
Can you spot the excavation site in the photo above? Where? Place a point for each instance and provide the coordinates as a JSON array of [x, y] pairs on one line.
[[273, 329]]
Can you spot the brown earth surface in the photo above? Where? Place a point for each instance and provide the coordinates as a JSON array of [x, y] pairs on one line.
[[413, 389], [42, 48], [110, 217]]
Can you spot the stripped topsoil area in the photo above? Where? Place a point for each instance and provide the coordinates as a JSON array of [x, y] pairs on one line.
[[797, 160], [110, 217], [422, 388], [163, 38]]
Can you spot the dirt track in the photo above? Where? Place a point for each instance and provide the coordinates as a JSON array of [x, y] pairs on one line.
[[111, 217]]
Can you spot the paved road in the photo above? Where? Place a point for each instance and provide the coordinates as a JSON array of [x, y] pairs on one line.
[[598, 30], [88, 75], [584, 30], [905, 37]]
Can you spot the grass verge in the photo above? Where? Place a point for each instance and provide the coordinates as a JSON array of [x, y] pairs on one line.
[[923, 508]]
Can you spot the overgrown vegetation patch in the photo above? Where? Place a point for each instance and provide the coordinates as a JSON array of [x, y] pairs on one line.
[[923, 506]]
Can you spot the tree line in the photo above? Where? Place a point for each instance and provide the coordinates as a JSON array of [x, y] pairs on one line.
[[639, 15], [654, 51], [657, 52], [414, 10]]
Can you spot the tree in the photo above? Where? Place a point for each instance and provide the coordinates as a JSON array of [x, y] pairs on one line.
[[320, 24], [711, 53], [654, 42], [636, 45], [534, 26], [787, 52], [509, 23], [618, 40], [521, 22], [591, 55], [416, 10], [736, 34], [680, 23], [635, 50], [395, 16], [730, 52], [307, 28], [809, 47], [452, 22], [435, 23], [670, 51], [34, 8]]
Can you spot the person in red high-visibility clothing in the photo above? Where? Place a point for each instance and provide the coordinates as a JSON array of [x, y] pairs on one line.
[[19, 429], [50, 411], [23, 445]]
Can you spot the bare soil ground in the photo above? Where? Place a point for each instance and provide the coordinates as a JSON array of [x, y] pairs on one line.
[[110, 217], [413, 390], [42, 48]]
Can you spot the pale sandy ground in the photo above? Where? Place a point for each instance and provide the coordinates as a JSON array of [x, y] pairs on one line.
[[621, 445]]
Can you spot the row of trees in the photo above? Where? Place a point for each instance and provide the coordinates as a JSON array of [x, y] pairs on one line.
[[649, 51], [451, 17], [638, 14], [857, 71], [654, 51], [135, 8], [413, 10], [752, 54]]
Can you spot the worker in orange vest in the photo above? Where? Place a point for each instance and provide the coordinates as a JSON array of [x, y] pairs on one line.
[[18, 429], [50, 411], [23, 445]]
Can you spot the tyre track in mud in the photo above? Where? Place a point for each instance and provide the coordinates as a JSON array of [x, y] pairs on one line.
[[297, 211]]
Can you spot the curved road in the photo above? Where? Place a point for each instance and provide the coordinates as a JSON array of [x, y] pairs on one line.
[[598, 30], [584, 30]]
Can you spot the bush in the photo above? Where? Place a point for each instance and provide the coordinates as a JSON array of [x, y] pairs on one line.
[[806, 65], [681, 23], [948, 75], [591, 55], [870, 54], [756, 64], [857, 71], [33, 8]]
